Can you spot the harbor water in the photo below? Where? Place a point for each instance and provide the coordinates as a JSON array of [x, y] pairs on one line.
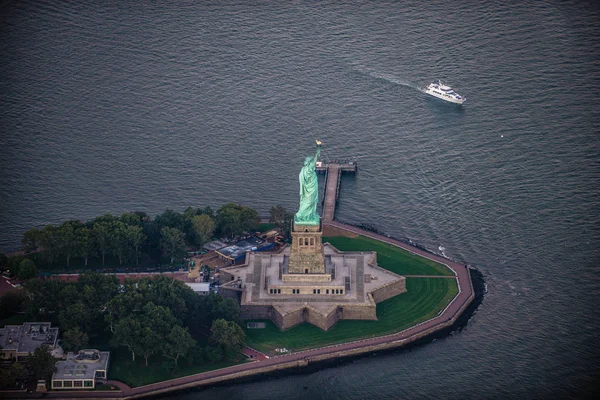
[[124, 106]]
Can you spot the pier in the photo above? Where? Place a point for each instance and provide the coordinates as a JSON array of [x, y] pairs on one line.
[[333, 175]]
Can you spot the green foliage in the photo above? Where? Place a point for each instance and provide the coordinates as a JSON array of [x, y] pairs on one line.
[[13, 302], [74, 340], [104, 235], [41, 363], [172, 242], [213, 353], [178, 342], [234, 219], [49, 241], [3, 261], [208, 308], [9, 376], [26, 270], [67, 238], [30, 240], [228, 335], [282, 219], [204, 228]]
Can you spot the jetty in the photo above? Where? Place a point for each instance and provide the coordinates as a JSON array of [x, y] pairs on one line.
[[333, 176]]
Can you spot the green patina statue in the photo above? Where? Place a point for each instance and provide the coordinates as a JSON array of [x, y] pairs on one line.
[[309, 192]]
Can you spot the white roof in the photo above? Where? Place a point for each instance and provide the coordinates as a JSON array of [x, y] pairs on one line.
[[199, 287]]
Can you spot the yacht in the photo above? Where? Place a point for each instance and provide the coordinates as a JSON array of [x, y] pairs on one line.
[[444, 92]]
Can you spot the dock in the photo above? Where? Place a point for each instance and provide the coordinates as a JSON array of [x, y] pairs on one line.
[[333, 175]]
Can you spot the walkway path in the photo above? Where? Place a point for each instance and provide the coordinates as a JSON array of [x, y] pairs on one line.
[[333, 172]]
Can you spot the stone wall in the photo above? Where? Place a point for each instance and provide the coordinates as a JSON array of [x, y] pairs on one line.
[[389, 290], [287, 320], [360, 311], [256, 312], [323, 322]]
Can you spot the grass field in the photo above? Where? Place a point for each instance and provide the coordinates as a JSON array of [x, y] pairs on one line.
[[135, 373], [390, 257], [424, 299]]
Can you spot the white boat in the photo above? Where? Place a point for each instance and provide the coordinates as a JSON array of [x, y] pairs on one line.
[[444, 92]]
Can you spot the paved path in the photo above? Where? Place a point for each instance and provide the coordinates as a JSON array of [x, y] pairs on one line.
[[254, 354], [445, 318], [333, 170]]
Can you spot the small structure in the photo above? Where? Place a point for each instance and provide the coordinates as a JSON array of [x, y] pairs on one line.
[[237, 252], [214, 245], [202, 288], [41, 386], [18, 341], [81, 370]]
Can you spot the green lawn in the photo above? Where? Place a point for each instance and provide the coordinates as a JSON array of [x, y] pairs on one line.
[[424, 299], [390, 257], [135, 373]]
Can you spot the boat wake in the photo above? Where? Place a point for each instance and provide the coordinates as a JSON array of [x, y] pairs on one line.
[[387, 77]]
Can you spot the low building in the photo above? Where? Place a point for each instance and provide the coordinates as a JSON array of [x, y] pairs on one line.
[[200, 288], [18, 341], [237, 252], [82, 370], [214, 245]]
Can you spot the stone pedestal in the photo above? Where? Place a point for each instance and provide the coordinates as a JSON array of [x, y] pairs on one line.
[[306, 254]]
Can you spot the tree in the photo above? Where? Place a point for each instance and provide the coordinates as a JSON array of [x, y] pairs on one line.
[[13, 302], [170, 219], [249, 218], [85, 243], [148, 343], [3, 261], [137, 238], [10, 376], [67, 238], [132, 219], [228, 335], [120, 241], [227, 309], [177, 343], [41, 363], [77, 315], [204, 226], [74, 339], [30, 240], [234, 219], [49, 241], [229, 219], [103, 232], [281, 218], [127, 333], [172, 242], [26, 270]]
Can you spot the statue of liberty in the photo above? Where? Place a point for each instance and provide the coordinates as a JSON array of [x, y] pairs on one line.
[[309, 191]]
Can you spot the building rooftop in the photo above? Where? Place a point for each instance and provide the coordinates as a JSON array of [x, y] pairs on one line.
[[239, 249], [82, 365], [199, 287], [214, 245], [28, 337]]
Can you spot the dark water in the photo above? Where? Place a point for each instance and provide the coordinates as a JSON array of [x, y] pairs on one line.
[[120, 106]]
